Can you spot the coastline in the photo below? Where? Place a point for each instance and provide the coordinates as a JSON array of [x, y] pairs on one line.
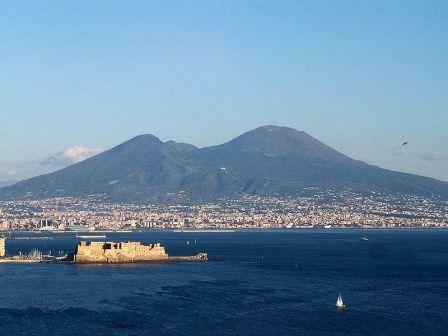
[[31, 232]]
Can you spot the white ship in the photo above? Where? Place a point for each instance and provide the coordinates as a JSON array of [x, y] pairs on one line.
[[90, 236], [79, 228], [48, 228]]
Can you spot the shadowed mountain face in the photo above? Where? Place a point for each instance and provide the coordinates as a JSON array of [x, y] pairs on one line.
[[267, 160]]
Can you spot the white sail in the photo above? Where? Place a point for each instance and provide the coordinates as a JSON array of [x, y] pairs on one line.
[[339, 302]]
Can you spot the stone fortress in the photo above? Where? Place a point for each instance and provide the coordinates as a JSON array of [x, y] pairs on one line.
[[2, 247], [126, 252], [94, 252]]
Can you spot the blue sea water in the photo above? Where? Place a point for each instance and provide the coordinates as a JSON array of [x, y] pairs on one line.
[[261, 283]]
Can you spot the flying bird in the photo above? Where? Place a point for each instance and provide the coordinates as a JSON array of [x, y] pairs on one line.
[[404, 143]]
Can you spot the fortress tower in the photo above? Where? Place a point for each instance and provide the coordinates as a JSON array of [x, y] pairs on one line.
[[2, 247]]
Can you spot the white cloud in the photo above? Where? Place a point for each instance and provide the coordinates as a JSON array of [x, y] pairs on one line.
[[78, 153], [16, 171], [71, 155]]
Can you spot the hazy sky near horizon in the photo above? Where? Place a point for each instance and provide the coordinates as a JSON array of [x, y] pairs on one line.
[[361, 76]]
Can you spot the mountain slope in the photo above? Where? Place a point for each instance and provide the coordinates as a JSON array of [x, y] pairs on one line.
[[267, 160], [279, 159], [135, 167]]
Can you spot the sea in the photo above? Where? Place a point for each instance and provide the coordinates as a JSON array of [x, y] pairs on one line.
[[283, 282]]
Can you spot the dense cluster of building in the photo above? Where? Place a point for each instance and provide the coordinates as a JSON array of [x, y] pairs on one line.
[[320, 210]]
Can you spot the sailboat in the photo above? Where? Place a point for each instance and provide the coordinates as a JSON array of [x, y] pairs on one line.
[[339, 303]]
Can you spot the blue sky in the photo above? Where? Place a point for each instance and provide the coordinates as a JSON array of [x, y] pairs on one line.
[[361, 76]]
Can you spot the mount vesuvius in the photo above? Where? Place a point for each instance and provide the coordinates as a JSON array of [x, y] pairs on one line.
[[266, 160]]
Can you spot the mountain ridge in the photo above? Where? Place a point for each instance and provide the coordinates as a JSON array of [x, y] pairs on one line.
[[267, 160]]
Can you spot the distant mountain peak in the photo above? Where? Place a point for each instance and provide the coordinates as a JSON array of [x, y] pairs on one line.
[[275, 128], [139, 144], [287, 141], [151, 141], [144, 138], [271, 132], [267, 160]]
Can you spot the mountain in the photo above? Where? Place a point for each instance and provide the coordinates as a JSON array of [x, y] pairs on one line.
[[7, 183], [267, 160]]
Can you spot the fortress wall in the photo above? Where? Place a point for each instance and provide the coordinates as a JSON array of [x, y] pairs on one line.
[[2, 247], [112, 252]]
